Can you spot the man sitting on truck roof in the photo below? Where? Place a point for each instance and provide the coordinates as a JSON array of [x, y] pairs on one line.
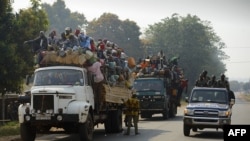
[[39, 44]]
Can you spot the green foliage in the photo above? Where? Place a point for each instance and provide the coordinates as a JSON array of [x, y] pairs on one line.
[[16, 59], [123, 33], [193, 40], [60, 17], [11, 128], [11, 64]]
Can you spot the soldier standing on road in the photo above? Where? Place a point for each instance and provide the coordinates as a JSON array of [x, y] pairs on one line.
[[132, 113]]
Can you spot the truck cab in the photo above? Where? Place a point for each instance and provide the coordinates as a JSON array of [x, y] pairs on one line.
[[61, 97], [151, 92], [207, 108]]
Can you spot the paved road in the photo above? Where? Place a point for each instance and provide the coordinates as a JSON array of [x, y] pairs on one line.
[[157, 129]]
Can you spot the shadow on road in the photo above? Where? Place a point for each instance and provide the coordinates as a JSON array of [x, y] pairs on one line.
[[160, 118], [213, 135]]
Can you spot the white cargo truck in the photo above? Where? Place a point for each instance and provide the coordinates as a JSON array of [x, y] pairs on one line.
[[62, 97]]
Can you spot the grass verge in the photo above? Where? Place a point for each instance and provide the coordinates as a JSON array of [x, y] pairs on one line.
[[10, 128]]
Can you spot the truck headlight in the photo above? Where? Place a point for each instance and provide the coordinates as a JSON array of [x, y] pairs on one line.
[[59, 117], [224, 113], [188, 111]]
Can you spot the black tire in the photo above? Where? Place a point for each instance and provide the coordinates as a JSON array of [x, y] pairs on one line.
[[186, 130], [27, 132], [117, 121], [165, 113], [108, 124], [86, 130], [146, 115], [172, 110], [113, 123]]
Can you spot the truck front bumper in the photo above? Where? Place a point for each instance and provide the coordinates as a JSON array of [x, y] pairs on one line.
[[206, 122], [51, 119]]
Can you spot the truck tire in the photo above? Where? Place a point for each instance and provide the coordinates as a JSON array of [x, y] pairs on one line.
[[113, 123], [27, 132], [172, 110], [108, 124], [146, 115], [186, 130], [165, 113], [117, 121], [86, 130]]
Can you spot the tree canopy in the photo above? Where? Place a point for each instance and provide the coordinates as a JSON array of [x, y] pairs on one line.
[[124, 33], [16, 59], [60, 17], [192, 40]]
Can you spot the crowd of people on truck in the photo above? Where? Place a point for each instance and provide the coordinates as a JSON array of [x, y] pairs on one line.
[[205, 81], [105, 50], [105, 59], [169, 69]]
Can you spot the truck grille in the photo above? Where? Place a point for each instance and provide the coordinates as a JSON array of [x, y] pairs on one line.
[[206, 113], [43, 102]]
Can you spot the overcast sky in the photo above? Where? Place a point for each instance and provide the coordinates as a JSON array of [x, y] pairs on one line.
[[230, 20]]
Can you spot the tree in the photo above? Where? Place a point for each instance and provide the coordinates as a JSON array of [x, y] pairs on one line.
[[124, 33], [193, 40], [16, 59], [60, 17], [12, 65]]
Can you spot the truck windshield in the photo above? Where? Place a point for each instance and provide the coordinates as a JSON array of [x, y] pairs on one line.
[[209, 96], [58, 77], [148, 85]]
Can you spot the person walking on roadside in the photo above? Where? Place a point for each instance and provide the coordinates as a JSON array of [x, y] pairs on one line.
[[132, 113]]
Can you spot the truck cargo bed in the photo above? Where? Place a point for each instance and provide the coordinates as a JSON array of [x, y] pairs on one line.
[[115, 94]]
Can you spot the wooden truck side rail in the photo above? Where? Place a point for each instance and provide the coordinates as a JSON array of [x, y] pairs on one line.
[[115, 94]]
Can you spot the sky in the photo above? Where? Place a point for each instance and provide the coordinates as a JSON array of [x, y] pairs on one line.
[[230, 20]]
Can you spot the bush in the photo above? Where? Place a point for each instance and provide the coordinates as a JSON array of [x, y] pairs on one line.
[[10, 128]]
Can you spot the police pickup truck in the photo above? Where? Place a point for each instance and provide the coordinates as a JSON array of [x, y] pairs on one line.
[[207, 108]]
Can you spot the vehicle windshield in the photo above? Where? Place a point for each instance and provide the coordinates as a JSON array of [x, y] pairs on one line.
[[148, 85], [58, 77], [209, 96]]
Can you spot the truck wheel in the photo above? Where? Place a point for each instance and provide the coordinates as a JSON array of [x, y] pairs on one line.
[[86, 129], [165, 113], [146, 115], [113, 123], [27, 132], [117, 121], [172, 110], [186, 130], [108, 124]]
